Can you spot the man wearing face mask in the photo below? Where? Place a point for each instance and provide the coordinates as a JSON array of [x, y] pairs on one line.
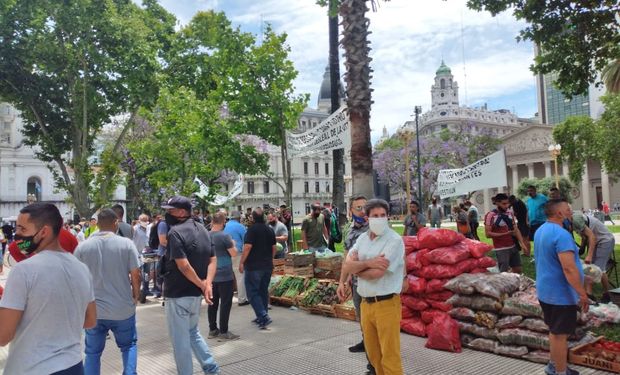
[[377, 258], [190, 266], [48, 299], [314, 233], [113, 261]]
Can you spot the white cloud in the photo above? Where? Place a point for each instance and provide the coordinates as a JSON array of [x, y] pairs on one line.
[[408, 41]]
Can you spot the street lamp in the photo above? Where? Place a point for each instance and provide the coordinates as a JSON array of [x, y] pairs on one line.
[[555, 152], [418, 111], [406, 133]]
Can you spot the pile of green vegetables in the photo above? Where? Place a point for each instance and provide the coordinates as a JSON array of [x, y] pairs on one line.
[[321, 294], [289, 286]]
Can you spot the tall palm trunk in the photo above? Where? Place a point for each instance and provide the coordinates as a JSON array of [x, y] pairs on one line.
[[355, 44], [611, 76]]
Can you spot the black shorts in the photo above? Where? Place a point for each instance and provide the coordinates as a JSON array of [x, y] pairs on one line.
[[508, 258], [561, 319]]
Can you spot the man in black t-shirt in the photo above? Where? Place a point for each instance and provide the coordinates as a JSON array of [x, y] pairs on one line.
[[520, 211], [256, 263], [189, 268]]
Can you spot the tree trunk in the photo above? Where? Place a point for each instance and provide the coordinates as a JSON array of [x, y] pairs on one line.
[[338, 155], [288, 181], [355, 43]]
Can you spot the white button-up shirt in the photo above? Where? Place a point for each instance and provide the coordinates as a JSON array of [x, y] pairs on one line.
[[391, 245]]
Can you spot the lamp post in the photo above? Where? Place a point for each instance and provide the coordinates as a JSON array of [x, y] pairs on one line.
[[417, 111], [555, 152]]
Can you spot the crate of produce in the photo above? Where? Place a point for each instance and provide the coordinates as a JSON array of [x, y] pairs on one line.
[[288, 287], [329, 263], [599, 354], [305, 271], [278, 267], [282, 301], [325, 310], [299, 259], [345, 311]]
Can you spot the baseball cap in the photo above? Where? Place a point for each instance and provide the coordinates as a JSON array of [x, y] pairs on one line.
[[178, 202], [579, 221]]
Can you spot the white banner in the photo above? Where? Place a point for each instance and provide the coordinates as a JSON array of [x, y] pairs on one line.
[[331, 134], [486, 173], [218, 199]]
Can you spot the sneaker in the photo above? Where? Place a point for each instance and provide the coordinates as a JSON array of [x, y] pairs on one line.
[[265, 322], [357, 348], [213, 333], [550, 370], [228, 336], [243, 303], [255, 321]]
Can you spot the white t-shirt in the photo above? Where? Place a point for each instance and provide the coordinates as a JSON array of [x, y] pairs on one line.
[[53, 290]]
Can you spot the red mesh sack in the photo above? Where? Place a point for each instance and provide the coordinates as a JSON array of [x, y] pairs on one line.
[[407, 313], [486, 262], [433, 238], [439, 305], [1, 291], [417, 285], [413, 326], [440, 296], [441, 271], [467, 265], [422, 257], [411, 244], [479, 270], [412, 262], [448, 255], [443, 334], [427, 316], [413, 303], [435, 285], [477, 249]]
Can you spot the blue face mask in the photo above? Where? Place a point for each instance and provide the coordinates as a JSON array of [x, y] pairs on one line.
[[358, 219]]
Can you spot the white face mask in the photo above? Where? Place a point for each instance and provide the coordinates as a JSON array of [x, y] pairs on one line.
[[378, 225]]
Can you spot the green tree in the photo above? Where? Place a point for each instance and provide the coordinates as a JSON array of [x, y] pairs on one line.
[[577, 39], [70, 68], [608, 131], [579, 137], [543, 185]]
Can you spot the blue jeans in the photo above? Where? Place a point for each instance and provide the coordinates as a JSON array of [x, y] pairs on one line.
[[126, 337], [77, 369], [182, 315], [257, 288]]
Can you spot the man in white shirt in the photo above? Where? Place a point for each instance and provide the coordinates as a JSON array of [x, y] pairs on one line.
[[47, 301], [377, 258]]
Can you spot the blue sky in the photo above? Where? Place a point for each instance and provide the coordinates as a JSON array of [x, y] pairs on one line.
[[409, 39]]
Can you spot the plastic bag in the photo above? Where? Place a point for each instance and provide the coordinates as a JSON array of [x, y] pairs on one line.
[[463, 313], [422, 257], [486, 262], [413, 326], [448, 255], [511, 351], [485, 345], [592, 272], [518, 336], [479, 270], [439, 305], [608, 312], [440, 296], [443, 334], [524, 304], [416, 284], [467, 265], [477, 249], [407, 313], [439, 271], [428, 315], [413, 303], [411, 244], [538, 356], [485, 319], [496, 285], [476, 330], [475, 302], [525, 283], [532, 324], [435, 285], [511, 321], [467, 338], [412, 262], [462, 284], [432, 238]]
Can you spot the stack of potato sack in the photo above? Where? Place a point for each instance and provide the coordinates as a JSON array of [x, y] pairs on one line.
[[433, 258], [500, 313]]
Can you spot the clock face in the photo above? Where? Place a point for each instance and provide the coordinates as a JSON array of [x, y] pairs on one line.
[[442, 95]]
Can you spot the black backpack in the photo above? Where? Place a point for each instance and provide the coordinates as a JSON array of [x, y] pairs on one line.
[[154, 237]]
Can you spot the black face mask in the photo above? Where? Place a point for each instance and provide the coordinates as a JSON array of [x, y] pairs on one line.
[[26, 244], [173, 220]]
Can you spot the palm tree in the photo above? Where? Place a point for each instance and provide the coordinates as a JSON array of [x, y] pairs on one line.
[[611, 76]]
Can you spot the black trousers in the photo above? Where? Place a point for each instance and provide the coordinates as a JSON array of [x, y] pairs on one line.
[[222, 295]]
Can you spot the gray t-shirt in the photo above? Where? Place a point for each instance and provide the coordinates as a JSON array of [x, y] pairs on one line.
[[435, 212], [53, 290], [280, 230], [412, 229], [110, 258], [222, 242]]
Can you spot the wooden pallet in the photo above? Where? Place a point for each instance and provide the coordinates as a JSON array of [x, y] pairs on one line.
[[306, 271], [345, 312]]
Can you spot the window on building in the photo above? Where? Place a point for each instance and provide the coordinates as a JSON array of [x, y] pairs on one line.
[[33, 188], [345, 187], [442, 84], [327, 169], [305, 167], [306, 187], [327, 187], [266, 187], [250, 187], [316, 168], [307, 208], [317, 188], [225, 187]]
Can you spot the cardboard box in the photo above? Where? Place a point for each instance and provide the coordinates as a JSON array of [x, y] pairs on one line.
[[586, 355]]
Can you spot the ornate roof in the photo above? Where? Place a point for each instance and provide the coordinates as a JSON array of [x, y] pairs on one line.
[[443, 69]]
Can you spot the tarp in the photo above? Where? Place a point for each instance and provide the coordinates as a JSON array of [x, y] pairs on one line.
[[489, 172], [331, 134]]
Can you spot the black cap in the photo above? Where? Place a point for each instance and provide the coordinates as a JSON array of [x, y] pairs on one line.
[[178, 202]]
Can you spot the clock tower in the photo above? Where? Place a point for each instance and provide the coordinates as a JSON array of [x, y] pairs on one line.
[[445, 91]]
